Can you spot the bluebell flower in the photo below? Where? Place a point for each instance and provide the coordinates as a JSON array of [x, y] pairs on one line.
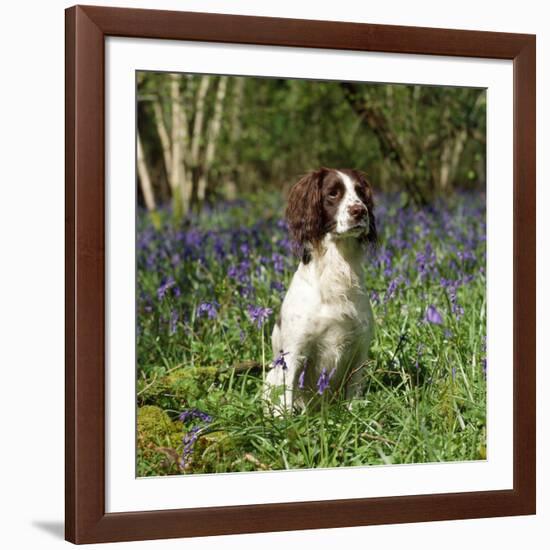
[[259, 314], [433, 316], [279, 361], [324, 381], [392, 287], [301, 378], [190, 438], [278, 262], [240, 272], [194, 414], [208, 309], [165, 285]]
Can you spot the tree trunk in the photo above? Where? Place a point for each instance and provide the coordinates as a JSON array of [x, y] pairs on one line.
[[231, 183], [144, 178], [164, 138], [458, 148], [214, 129], [176, 169], [387, 139], [199, 120]]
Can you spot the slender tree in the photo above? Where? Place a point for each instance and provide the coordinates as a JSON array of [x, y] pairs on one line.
[[145, 178]]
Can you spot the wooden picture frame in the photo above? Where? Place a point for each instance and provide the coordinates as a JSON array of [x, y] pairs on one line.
[[86, 30]]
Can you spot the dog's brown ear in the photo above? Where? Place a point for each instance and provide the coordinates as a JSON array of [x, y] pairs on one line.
[[304, 211], [372, 236]]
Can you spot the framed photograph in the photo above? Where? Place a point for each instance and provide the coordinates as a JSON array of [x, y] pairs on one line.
[[300, 274]]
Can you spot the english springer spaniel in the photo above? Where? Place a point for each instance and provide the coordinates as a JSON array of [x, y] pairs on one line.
[[322, 337]]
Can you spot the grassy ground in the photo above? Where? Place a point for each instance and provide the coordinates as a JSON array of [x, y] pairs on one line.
[[201, 355]]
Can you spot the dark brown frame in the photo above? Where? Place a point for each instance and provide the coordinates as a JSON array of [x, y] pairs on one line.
[[86, 29]]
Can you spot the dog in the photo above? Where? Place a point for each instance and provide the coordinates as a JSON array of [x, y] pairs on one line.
[[322, 337]]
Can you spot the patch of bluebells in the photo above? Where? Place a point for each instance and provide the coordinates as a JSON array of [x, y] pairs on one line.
[[432, 252], [429, 254], [240, 271], [426, 261]]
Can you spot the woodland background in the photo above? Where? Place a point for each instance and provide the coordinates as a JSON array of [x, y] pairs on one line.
[[204, 137]]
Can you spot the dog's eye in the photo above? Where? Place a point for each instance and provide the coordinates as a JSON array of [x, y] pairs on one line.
[[333, 193]]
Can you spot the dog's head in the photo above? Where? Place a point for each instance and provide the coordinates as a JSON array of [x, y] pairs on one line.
[[339, 202]]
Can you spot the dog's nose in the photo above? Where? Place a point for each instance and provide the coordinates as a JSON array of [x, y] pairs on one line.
[[357, 211]]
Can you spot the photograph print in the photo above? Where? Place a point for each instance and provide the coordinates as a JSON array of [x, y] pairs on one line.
[[310, 263]]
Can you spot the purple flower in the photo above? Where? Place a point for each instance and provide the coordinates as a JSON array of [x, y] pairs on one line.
[[392, 287], [433, 316], [240, 272], [301, 378], [278, 286], [165, 286], [324, 381], [280, 360], [209, 309], [278, 262], [259, 314], [190, 438], [192, 414], [425, 261], [451, 287]]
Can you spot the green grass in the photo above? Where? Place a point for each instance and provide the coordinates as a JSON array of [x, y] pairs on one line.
[[425, 399]]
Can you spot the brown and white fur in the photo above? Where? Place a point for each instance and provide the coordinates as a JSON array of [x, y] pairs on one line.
[[326, 322]]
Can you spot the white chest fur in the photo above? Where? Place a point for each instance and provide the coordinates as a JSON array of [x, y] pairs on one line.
[[326, 316]]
